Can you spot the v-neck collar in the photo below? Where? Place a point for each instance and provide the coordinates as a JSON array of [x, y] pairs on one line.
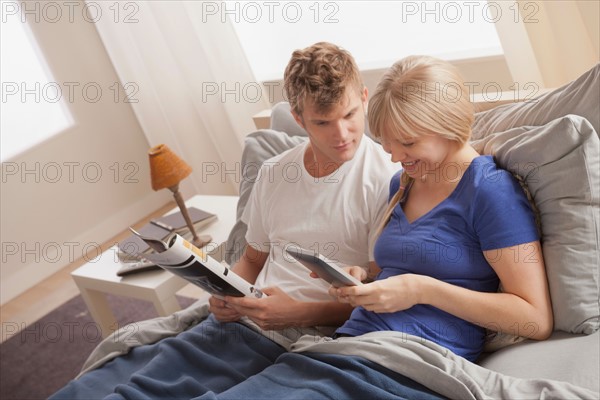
[[399, 212]]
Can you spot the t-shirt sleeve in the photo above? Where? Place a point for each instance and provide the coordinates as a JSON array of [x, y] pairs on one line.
[[502, 214]]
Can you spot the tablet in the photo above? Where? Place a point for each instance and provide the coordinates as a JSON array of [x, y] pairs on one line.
[[324, 268]]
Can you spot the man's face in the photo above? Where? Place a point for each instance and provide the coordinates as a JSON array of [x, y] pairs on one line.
[[336, 135]]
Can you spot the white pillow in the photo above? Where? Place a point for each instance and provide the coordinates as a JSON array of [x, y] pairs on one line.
[[560, 163]]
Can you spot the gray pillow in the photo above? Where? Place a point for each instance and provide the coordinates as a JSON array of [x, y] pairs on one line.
[[560, 163], [259, 146], [283, 121], [580, 97]]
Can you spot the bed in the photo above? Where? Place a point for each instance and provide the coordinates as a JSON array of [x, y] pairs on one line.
[[551, 143]]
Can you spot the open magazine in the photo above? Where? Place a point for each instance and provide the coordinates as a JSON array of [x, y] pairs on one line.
[[177, 255]]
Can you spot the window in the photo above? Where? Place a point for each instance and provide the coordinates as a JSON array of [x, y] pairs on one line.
[[377, 33], [32, 105]]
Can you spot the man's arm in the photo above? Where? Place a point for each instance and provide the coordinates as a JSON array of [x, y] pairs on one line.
[[251, 263]]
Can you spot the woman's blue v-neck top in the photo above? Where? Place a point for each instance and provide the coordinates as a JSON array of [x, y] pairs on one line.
[[487, 210]]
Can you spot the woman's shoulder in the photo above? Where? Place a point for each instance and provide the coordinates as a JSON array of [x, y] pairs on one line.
[[484, 172], [490, 181]]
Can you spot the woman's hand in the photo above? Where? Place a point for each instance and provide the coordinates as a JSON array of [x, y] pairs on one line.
[[357, 272], [392, 294]]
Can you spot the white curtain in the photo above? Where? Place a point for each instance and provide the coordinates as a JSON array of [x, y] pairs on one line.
[[188, 81], [548, 43]]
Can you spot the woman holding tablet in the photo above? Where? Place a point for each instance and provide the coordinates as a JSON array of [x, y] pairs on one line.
[[456, 225]]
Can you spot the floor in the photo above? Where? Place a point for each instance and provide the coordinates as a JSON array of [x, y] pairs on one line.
[[60, 288]]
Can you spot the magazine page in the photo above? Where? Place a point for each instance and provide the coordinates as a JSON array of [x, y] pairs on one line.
[[191, 263]]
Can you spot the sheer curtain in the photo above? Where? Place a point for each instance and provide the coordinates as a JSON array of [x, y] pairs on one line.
[[548, 43], [188, 81]]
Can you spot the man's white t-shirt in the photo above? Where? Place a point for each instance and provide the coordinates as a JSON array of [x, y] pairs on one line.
[[336, 215]]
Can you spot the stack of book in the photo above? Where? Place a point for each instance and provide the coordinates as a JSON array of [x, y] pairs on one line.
[[130, 249]]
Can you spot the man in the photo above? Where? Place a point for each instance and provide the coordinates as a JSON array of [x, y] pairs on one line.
[[332, 205], [319, 210]]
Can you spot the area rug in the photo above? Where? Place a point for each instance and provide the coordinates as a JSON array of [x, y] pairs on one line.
[[48, 353]]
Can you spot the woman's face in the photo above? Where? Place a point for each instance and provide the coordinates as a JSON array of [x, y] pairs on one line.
[[421, 156]]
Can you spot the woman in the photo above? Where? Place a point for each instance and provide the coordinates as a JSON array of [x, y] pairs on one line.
[[456, 225]]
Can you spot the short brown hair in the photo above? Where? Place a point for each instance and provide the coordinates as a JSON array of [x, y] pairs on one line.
[[320, 73]]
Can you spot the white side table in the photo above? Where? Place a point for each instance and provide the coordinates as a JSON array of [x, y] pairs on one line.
[[99, 277]]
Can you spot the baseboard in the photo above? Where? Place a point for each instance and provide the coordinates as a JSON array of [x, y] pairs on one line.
[[31, 274]]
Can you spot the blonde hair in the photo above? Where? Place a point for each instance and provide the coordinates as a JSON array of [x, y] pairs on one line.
[[320, 73], [420, 95]]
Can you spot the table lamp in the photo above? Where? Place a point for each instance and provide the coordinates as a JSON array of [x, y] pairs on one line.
[[166, 171]]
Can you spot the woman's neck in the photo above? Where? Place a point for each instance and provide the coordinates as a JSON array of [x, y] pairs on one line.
[[451, 170]]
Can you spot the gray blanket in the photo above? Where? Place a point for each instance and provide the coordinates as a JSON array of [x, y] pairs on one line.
[[423, 361]]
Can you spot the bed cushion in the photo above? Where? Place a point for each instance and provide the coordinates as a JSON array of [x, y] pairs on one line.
[[259, 146], [564, 357], [580, 97], [560, 163], [283, 121]]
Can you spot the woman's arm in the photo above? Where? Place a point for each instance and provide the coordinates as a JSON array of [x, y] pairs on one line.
[[523, 308]]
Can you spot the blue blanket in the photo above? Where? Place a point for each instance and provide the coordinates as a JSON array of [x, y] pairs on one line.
[[325, 376], [180, 357], [233, 361]]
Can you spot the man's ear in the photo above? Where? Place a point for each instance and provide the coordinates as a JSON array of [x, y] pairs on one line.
[[365, 96]]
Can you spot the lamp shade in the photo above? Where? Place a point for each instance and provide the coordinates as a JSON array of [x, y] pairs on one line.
[[166, 168]]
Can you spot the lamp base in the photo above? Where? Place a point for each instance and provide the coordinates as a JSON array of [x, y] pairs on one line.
[[198, 241], [201, 240]]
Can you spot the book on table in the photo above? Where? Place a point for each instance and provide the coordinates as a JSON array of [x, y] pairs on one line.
[[179, 256], [133, 248]]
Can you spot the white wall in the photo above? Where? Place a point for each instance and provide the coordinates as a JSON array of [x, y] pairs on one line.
[[59, 209], [489, 73]]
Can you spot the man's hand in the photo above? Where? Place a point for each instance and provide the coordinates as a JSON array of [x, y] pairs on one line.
[[222, 311], [274, 312]]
